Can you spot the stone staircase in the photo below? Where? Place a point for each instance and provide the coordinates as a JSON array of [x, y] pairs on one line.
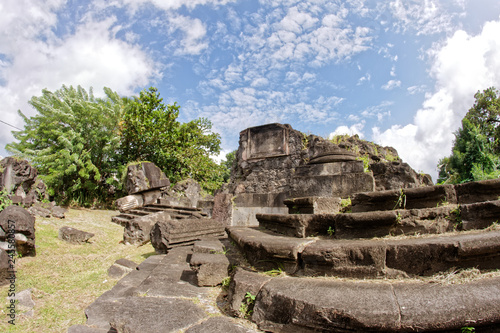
[[381, 252], [139, 221]]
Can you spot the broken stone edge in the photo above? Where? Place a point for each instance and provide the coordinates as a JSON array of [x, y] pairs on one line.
[[288, 304]]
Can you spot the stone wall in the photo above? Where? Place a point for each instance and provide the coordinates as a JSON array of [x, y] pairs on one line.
[[275, 162]]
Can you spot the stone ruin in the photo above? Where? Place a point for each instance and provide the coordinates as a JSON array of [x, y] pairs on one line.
[[275, 162], [168, 217], [20, 182], [310, 263]]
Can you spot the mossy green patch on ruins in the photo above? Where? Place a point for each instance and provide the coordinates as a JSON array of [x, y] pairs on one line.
[[64, 278]]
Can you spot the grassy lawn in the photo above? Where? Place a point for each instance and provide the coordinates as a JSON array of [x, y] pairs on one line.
[[66, 278]]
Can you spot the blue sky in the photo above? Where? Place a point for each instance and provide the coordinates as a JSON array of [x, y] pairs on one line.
[[401, 73]]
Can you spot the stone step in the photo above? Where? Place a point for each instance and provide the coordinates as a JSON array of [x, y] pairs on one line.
[[167, 234], [435, 220], [374, 258], [427, 197], [175, 207], [159, 296], [288, 304], [138, 212]]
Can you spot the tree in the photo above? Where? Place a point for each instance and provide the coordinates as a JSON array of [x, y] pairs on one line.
[[476, 150], [228, 165], [150, 131], [73, 141]]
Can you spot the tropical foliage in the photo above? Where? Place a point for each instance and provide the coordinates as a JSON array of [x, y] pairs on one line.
[[476, 150], [81, 144]]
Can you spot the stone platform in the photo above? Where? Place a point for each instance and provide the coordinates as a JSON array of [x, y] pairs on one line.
[[161, 295]]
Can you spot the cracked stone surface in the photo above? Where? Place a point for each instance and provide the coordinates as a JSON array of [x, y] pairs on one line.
[[160, 296]]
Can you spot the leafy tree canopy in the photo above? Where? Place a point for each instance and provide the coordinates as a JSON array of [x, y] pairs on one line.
[[151, 132], [73, 142], [80, 143], [476, 150]]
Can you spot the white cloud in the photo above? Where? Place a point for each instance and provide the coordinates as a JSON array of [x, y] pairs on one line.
[[425, 17], [461, 66], [416, 89], [352, 130], [193, 31], [391, 84], [38, 59], [174, 4], [364, 79]]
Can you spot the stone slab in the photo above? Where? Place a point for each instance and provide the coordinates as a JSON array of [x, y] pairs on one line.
[[219, 325], [208, 246], [313, 205], [312, 305], [74, 236], [485, 190], [297, 225], [479, 215], [243, 281], [307, 305], [357, 258], [333, 186], [268, 251], [329, 169], [210, 269], [170, 233], [143, 314]]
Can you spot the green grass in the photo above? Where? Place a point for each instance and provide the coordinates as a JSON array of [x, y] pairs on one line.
[[67, 278]]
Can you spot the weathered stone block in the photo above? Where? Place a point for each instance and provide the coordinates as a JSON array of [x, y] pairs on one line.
[[170, 233], [17, 220], [218, 325], [121, 267], [5, 268], [208, 246], [484, 190], [411, 198], [267, 251], [142, 314], [266, 141], [313, 205], [74, 236], [307, 305], [333, 186], [359, 259], [210, 269], [243, 282], [297, 225], [329, 169], [479, 215], [144, 176]]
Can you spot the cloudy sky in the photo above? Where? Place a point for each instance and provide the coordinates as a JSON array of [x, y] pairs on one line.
[[401, 73]]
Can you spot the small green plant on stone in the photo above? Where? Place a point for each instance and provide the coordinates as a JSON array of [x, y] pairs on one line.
[[305, 141], [401, 202], [246, 307], [457, 217], [467, 329], [330, 231], [4, 200], [390, 158], [225, 282], [224, 251], [399, 218], [345, 205], [366, 162], [274, 272]]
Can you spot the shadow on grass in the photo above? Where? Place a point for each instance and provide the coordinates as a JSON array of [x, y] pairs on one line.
[[149, 254]]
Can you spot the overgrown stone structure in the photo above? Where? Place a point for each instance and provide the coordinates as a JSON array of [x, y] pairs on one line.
[[274, 162], [394, 235], [318, 243]]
